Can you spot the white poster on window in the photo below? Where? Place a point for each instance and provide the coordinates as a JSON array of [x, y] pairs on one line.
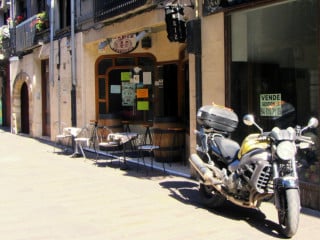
[[270, 105], [128, 94], [147, 78], [136, 78], [115, 89]]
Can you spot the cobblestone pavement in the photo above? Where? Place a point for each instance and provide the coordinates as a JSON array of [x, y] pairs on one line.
[[50, 196]]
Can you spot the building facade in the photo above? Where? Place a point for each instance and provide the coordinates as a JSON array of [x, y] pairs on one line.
[[146, 61]]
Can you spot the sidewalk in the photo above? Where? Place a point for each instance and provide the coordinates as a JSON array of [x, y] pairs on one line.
[[49, 196], [176, 168]]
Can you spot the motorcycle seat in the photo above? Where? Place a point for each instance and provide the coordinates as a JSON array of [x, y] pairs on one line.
[[228, 148]]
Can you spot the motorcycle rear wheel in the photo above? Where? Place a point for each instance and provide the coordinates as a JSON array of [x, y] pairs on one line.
[[289, 213], [209, 197]]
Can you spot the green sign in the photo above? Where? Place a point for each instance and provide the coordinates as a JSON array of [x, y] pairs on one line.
[[125, 76], [270, 105]]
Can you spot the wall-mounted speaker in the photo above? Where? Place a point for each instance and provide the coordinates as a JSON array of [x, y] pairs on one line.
[[146, 42], [194, 36]]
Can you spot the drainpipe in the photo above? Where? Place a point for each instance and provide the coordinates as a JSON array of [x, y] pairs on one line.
[[198, 60], [59, 85], [51, 67], [73, 70], [198, 78]]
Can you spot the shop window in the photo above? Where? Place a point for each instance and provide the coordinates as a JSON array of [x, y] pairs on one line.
[[134, 87], [274, 64], [125, 86]]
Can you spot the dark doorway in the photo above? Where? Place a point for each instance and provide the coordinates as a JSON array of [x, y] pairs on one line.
[[45, 98], [25, 109], [167, 91]]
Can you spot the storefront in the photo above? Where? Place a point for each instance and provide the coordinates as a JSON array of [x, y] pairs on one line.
[[137, 89], [132, 74], [272, 70]]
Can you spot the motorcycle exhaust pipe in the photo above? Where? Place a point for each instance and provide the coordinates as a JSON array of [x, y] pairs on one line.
[[207, 176], [204, 172]]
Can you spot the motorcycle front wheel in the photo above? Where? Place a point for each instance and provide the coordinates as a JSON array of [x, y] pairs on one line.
[[209, 197], [289, 213]]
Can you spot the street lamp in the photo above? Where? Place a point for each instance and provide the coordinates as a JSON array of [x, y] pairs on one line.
[[176, 27]]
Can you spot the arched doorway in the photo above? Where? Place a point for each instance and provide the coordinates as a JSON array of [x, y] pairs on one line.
[[24, 97], [22, 105]]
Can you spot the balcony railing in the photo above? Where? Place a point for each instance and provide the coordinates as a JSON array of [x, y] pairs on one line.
[[27, 33], [107, 9]]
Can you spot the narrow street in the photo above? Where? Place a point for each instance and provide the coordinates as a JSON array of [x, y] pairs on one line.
[[50, 196]]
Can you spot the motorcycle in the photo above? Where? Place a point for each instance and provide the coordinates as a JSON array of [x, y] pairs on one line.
[[263, 168]]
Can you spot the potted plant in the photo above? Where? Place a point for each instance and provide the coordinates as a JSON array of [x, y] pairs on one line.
[[42, 21], [14, 22], [4, 36]]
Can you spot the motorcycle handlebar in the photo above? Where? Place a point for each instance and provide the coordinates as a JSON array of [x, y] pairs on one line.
[[305, 139]]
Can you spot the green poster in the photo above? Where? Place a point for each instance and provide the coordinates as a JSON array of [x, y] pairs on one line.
[[143, 105], [125, 76], [270, 105]]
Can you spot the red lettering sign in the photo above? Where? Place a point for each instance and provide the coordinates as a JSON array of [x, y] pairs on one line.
[[124, 44]]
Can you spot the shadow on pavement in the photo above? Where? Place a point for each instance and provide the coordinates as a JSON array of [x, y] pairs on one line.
[[310, 212], [187, 193]]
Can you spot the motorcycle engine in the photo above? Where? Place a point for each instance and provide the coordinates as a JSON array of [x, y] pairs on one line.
[[256, 170]]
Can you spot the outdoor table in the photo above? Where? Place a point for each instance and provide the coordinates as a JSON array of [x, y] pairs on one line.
[[122, 138]]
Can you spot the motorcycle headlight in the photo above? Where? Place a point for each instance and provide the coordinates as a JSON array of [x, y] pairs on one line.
[[286, 150]]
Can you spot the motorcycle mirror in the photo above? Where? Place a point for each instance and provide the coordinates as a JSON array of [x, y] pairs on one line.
[[248, 119], [313, 122]]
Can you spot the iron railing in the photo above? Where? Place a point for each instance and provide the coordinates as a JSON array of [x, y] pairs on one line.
[[28, 33], [108, 9], [25, 34]]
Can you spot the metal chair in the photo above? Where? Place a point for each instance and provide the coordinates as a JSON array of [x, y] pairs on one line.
[[106, 144], [63, 136], [145, 147], [86, 138]]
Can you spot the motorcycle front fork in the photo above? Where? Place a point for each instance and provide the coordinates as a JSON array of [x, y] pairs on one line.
[[282, 183]]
